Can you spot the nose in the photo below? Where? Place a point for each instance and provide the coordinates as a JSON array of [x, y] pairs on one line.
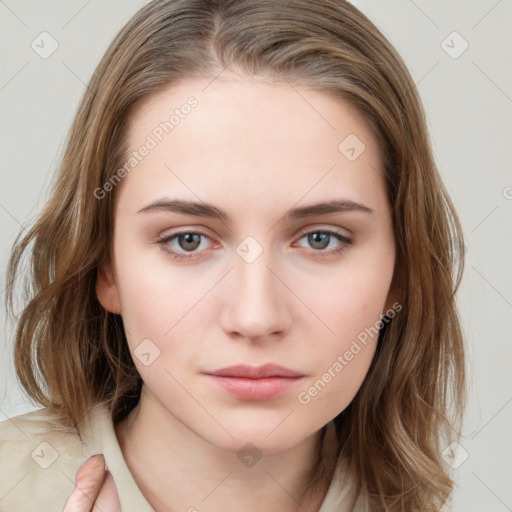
[[257, 305]]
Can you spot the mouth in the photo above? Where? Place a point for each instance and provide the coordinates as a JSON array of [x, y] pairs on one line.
[[255, 383], [256, 372]]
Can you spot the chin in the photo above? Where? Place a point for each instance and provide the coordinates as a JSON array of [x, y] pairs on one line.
[[257, 438]]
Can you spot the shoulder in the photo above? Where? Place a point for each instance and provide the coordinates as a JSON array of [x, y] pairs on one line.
[[39, 460]]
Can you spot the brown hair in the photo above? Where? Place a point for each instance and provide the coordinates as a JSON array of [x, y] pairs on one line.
[[71, 354]]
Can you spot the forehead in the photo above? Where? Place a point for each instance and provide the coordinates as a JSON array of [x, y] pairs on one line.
[[253, 137]]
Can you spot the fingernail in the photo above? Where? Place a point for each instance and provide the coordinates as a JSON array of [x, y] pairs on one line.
[[96, 460]]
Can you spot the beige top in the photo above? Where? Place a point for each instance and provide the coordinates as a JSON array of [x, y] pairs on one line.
[[38, 465]]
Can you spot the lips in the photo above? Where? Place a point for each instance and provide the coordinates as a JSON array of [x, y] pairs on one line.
[[255, 383], [259, 372]]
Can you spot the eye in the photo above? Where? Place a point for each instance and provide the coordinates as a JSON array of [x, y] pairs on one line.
[[186, 246], [320, 240]]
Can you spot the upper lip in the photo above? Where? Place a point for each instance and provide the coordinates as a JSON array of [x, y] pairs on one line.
[[256, 372]]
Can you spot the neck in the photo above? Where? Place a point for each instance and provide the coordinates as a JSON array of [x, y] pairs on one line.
[[177, 470]]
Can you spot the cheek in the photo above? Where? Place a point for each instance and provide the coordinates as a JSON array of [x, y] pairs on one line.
[[340, 363], [332, 390], [350, 306], [351, 300], [154, 295]]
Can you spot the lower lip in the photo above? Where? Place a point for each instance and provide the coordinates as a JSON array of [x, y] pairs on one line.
[[255, 389]]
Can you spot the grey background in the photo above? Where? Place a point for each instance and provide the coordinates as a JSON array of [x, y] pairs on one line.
[[468, 100]]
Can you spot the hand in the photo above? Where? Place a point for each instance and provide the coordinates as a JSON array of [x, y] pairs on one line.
[[94, 489]]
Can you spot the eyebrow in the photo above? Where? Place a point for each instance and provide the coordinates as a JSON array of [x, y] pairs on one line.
[[200, 209]]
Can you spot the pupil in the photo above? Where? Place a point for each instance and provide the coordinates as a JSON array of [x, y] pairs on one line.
[[321, 238], [189, 239]]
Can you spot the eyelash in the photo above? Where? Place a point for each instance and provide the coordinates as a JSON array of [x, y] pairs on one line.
[[345, 241]]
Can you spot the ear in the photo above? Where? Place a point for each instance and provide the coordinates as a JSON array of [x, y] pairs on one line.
[[106, 289]]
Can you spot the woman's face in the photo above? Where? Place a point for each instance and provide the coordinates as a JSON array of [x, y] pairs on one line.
[[220, 258]]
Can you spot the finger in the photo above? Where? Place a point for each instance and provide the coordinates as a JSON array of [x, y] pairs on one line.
[[108, 499], [88, 482]]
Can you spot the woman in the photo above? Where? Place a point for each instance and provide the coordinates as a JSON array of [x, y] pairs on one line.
[[291, 345]]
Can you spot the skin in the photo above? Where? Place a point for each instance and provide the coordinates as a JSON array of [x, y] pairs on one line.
[[256, 150]]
